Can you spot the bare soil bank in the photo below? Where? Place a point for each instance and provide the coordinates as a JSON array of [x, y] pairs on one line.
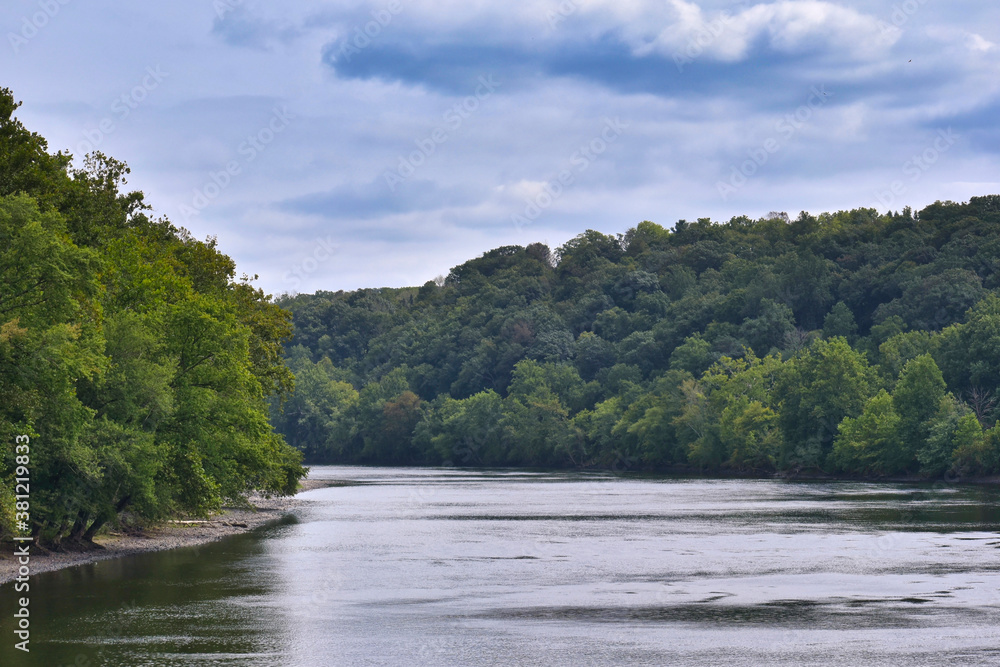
[[168, 535]]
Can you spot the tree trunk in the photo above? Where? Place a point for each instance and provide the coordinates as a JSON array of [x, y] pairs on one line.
[[94, 527], [79, 527], [103, 519]]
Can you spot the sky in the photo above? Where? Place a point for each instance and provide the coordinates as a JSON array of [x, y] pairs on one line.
[[340, 145]]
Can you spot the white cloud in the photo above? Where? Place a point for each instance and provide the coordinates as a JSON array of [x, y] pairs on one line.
[[955, 36], [685, 131], [978, 43], [790, 26]]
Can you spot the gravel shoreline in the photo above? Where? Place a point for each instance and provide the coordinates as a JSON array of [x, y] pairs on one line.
[[169, 535]]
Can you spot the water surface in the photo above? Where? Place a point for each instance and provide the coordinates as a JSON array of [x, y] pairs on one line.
[[445, 567]]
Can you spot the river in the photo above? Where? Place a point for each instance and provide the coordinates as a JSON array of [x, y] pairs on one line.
[[447, 567]]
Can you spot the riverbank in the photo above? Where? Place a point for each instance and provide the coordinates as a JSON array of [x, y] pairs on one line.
[[169, 535]]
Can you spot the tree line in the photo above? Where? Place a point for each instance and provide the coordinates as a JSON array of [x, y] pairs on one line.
[[130, 355], [851, 343]]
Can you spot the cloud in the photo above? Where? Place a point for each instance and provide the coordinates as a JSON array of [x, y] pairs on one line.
[[648, 52], [239, 27], [373, 199], [964, 39], [702, 85], [799, 27]]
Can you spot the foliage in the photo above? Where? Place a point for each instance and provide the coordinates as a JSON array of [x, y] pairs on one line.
[[821, 343], [869, 443], [139, 367]]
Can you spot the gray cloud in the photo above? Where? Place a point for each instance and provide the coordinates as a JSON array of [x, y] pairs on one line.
[[242, 28], [700, 95]]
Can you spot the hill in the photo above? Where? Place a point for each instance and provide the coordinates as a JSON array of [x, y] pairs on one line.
[[852, 342]]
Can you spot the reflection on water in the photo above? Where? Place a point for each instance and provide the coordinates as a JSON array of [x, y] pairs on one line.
[[444, 567]]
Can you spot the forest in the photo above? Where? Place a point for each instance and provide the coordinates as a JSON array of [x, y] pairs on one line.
[[853, 344], [134, 366], [153, 382]]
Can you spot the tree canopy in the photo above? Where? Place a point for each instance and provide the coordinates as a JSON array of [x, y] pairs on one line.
[[852, 342], [130, 355]]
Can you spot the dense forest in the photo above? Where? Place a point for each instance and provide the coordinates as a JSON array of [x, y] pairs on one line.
[[151, 381], [130, 357], [853, 343]]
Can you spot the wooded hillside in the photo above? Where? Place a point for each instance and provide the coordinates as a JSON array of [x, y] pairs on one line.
[[851, 342], [130, 357]]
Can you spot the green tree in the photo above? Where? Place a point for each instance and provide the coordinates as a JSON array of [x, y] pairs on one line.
[[592, 354], [537, 429], [869, 444], [464, 432], [129, 352], [954, 440], [769, 329], [648, 427], [817, 390], [750, 434], [840, 322], [916, 399], [694, 355], [970, 352], [318, 418], [903, 347]]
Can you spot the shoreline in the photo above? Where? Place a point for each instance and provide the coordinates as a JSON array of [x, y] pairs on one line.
[[688, 472], [168, 535], [177, 534]]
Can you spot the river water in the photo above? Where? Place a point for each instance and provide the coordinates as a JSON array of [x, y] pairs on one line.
[[445, 567]]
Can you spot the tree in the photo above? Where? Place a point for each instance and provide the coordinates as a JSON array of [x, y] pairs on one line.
[[128, 351], [894, 353], [694, 355], [464, 432], [769, 328], [536, 425], [840, 322], [970, 352], [916, 399], [592, 354], [954, 441], [25, 165], [869, 444], [749, 432], [318, 418], [648, 427], [48, 341], [698, 428], [817, 390], [392, 441]]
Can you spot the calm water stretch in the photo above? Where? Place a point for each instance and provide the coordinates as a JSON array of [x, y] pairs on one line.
[[438, 567]]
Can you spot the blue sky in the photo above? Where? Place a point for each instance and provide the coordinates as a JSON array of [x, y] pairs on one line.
[[337, 145]]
